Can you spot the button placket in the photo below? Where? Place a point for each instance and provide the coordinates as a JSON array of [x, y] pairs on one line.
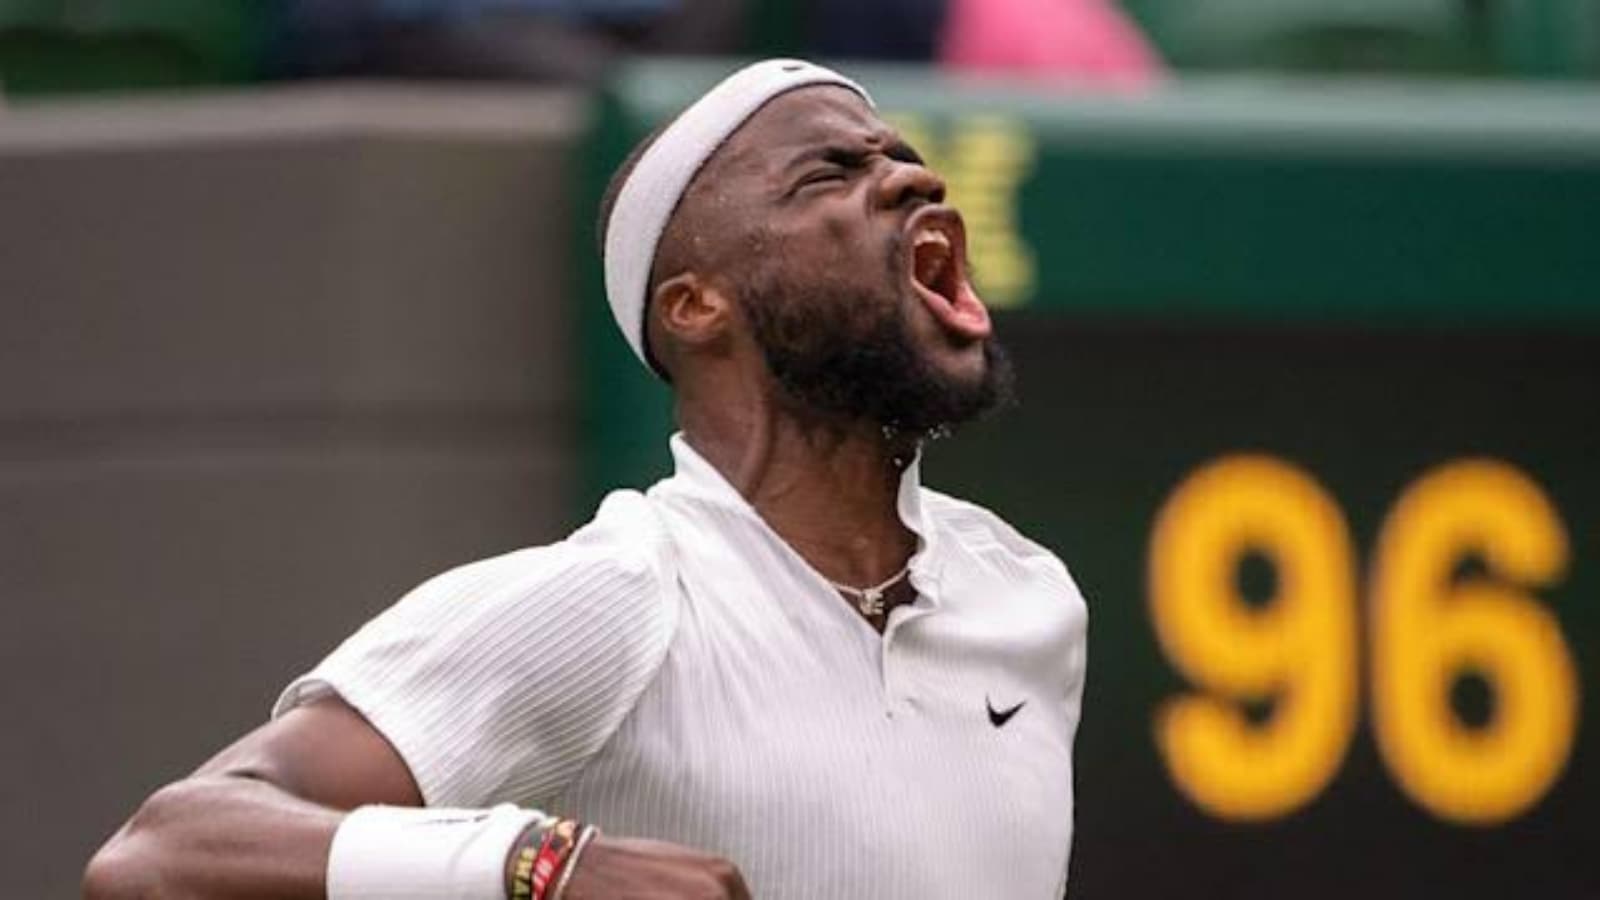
[[897, 697]]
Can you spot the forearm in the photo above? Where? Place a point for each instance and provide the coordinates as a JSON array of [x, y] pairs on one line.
[[218, 837], [260, 819]]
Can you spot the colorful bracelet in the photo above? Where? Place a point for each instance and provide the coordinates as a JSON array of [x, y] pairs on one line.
[[540, 857], [558, 843], [560, 890], [522, 872], [525, 853]]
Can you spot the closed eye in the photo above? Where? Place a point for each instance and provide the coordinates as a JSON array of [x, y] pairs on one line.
[[822, 175]]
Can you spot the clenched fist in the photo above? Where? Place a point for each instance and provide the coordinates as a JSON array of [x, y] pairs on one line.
[[625, 869]]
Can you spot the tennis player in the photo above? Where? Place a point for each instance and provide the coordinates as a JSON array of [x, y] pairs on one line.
[[787, 671]]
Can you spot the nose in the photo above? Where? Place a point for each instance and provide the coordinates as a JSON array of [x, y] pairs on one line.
[[904, 182]]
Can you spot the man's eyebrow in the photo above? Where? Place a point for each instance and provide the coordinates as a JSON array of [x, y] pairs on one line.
[[841, 155], [901, 151], [833, 153]]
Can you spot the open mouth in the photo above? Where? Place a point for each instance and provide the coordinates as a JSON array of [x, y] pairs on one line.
[[938, 240]]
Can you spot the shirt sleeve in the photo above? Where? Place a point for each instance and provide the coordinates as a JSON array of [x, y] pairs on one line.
[[497, 681]]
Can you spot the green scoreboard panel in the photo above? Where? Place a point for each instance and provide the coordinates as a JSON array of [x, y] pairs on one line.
[[1309, 383]]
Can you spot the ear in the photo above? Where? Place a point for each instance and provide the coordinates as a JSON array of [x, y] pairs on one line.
[[694, 311]]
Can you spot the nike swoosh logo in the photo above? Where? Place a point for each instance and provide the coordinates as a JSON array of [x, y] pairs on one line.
[[998, 718]]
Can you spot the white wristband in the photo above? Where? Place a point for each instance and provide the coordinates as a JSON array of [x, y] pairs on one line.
[[402, 853]]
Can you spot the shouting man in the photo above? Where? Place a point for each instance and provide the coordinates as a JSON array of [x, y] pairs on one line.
[[788, 671]]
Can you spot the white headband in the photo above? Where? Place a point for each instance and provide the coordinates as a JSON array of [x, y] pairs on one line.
[[663, 173]]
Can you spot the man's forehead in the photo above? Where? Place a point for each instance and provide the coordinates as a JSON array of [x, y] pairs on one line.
[[805, 117]]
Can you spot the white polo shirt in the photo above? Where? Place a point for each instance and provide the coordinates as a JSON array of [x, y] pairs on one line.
[[674, 670]]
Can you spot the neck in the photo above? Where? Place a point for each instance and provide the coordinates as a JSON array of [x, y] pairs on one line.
[[830, 490]]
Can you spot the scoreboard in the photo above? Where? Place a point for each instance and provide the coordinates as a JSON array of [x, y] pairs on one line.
[[1341, 588], [1309, 380]]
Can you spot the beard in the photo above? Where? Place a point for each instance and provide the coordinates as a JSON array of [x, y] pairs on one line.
[[843, 353]]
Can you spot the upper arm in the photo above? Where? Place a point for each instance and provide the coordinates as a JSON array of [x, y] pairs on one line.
[[497, 681], [324, 752]]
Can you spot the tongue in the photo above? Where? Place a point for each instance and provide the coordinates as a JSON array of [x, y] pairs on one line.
[[963, 314]]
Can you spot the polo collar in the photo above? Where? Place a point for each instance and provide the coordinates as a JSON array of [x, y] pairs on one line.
[[696, 477]]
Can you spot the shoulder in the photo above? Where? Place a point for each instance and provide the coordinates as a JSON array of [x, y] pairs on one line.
[[621, 556], [499, 678], [984, 533], [1042, 607], [605, 589]]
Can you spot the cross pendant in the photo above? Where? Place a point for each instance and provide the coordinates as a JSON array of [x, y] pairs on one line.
[[871, 602]]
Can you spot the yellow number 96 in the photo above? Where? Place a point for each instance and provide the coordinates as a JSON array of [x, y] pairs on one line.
[[1298, 650], [1430, 624]]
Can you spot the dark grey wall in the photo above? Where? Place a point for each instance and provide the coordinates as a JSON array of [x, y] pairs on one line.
[[267, 361]]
